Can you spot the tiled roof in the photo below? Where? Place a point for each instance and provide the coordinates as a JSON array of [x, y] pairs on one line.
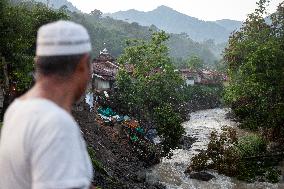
[[106, 69], [103, 58]]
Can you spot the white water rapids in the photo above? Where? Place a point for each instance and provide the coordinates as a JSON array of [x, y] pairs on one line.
[[170, 172]]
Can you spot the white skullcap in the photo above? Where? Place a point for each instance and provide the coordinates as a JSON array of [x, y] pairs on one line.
[[62, 38]]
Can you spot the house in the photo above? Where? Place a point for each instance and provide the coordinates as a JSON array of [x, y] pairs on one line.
[[191, 77], [212, 77], [104, 71], [202, 77]]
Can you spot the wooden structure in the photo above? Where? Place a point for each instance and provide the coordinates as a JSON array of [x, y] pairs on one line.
[[104, 71], [202, 77]]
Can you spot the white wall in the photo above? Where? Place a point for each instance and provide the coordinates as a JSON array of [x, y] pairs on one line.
[[101, 84], [189, 81]]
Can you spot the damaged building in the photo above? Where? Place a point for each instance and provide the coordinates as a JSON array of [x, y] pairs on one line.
[[105, 69], [202, 77]]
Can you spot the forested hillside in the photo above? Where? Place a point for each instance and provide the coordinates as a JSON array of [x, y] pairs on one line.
[[173, 21], [112, 34], [58, 4]]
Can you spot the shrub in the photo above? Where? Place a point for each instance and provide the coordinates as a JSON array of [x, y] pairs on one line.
[[170, 127], [204, 97], [255, 57], [152, 91], [251, 145], [241, 158]]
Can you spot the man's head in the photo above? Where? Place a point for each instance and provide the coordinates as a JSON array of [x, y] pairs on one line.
[[62, 54]]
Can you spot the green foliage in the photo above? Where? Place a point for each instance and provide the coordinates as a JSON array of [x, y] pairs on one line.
[[172, 21], [109, 33], [181, 47], [220, 155], [96, 13], [203, 96], [240, 158], [96, 164], [152, 87], [199, 162], [255, 57], [20, 23], [195, 63], [18, 28], [201, 92], [251, 144], [169, 124], [221, 66], [273, 175]]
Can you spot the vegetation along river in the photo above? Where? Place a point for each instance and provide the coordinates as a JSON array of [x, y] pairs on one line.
[[170, 172]]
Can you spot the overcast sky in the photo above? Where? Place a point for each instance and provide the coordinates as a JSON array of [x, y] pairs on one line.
[[202, 9]]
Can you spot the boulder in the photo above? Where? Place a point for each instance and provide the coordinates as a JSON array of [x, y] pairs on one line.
[[204, 176]]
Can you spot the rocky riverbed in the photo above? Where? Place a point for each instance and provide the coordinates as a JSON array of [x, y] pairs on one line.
[[170, 172]]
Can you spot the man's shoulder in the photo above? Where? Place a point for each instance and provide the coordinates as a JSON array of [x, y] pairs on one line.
[[42, 113], [52, 115]]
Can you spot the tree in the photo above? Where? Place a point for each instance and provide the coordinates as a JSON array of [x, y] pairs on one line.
[[18, 28], [64, 8], [195, 63], [153, 90], [96, 13], [255, 57]]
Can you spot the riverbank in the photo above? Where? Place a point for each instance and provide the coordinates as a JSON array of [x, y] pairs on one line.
[[118, 166], [171, 172]]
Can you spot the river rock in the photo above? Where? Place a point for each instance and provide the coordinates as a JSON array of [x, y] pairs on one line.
[[140, 176], [204, 176], [186, 142]]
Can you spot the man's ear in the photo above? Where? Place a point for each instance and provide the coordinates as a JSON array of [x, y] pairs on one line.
[[83, 64], [35, 59]]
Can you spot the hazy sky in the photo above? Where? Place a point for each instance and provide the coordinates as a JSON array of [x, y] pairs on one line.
[[202, 9]]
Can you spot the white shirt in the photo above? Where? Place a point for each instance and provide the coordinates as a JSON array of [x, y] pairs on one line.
[[41, 147]]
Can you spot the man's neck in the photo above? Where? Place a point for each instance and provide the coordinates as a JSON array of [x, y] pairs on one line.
[[60, 93]]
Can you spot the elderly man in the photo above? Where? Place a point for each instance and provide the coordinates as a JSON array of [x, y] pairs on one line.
[[41, 146]]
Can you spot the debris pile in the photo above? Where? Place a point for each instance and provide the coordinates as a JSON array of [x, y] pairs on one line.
[[120, 158]]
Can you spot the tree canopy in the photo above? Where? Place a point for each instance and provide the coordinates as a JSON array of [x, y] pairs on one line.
[[152, 92], [255, 60], [18, 28]]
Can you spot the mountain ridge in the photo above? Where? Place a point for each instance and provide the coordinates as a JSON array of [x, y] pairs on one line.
[[56, 4], [107, 32], [175, 22]]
